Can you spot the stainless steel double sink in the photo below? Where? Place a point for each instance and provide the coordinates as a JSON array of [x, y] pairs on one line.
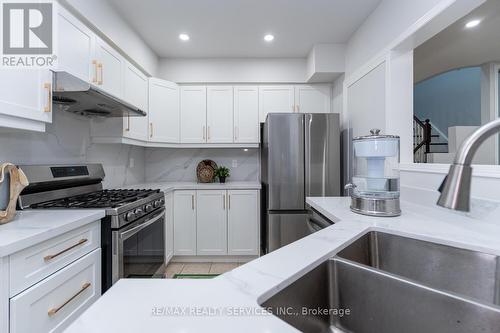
[[387, 283]]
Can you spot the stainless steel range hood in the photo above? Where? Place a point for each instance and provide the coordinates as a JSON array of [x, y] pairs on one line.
[[74, 95]]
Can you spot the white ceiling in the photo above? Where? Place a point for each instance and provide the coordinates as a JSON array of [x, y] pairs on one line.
[[458, 47], [235, 28]]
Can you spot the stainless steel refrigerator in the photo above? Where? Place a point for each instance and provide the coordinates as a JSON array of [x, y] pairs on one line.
[[300, 157]]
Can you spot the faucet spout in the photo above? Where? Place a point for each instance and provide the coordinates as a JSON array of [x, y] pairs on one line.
[[455, 189]]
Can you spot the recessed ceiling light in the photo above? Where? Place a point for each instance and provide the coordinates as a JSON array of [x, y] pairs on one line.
[[472, 24], [268, 38], [184, 37]]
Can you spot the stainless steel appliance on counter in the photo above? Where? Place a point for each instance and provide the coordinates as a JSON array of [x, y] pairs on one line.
[[300, 157], [133, 230]]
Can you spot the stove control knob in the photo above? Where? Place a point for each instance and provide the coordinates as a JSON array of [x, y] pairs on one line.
[[148, 208], [129, 216], [138, 212], [157, 203]]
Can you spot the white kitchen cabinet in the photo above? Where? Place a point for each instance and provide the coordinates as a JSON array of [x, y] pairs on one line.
[[110, 66], [169, 226], [164, 112], [185, 223], [246, 114], [313, 98], [216, 222], [25, 94], [39, 261], [243, 222], [276, 99], [193, 114], [75, 47], [211, 222], [220, 114], [52, 304], [135, 87]]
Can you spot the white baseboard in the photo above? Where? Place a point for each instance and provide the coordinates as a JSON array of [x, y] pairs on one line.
[[188, 259]]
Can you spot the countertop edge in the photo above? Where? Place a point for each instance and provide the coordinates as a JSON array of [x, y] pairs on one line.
[[50, 233]]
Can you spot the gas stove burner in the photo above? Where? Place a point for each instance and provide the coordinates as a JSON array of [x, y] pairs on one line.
[[98, 199]]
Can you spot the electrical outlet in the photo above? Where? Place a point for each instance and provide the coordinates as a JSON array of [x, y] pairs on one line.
[[131, 162], [235, 163]]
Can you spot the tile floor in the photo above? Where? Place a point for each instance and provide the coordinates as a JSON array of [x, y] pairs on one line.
[[199, 268]]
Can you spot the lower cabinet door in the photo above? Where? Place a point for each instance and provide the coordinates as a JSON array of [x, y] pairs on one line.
[[169, 229], [185, 223], [211, 216], [53, 303], [243, 222]]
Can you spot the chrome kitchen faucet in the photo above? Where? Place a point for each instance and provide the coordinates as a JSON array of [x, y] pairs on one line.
[[455, 189]]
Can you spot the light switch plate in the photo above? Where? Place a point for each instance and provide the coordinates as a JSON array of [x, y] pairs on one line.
[[235, 163]]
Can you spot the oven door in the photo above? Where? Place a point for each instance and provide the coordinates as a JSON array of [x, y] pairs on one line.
[[139, 248]]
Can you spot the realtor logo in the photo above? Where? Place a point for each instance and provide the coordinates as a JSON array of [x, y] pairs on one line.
[[28, 34]]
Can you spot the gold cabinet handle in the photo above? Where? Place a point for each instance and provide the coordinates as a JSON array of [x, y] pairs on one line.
[[235, 133], [203, 132], [100, 76], [54, 311], [48, 107], [224, 202], [298, 108], [192, 202], [208, 135], [94, 79], [151, 130], [52, 256], [229, 201]]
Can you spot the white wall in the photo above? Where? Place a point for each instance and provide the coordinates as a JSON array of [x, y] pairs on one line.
[[67, 141], [338, 95], [366, 102], [179, 165], [389, 20], [325, 62], [222, 70], [106, 19]]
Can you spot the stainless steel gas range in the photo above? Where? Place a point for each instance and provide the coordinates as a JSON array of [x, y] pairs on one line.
[[133, 230]]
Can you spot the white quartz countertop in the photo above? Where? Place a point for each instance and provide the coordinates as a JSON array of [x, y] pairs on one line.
[[34, 226], [230, 302], [172, 186]]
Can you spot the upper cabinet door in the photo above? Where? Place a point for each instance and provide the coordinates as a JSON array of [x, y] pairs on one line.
[[75, 47], [164, 112], [109, 67], [219, 114], [136, 93], [278, 98], [27, 94], [193, 114], [246, 114], [313, 98]]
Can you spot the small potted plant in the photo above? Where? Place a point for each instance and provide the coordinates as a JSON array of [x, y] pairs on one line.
[[222, 173]]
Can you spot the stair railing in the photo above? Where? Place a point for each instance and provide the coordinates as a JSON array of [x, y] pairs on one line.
[[422, 137]]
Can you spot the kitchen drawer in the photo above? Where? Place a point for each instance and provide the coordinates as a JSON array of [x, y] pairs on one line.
[[52, 304], [35, 263]]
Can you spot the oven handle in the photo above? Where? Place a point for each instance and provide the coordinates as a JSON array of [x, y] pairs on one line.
[[126, 234]]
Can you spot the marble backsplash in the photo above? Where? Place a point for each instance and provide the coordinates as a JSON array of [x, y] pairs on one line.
[[66, 141], [180, 164]]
